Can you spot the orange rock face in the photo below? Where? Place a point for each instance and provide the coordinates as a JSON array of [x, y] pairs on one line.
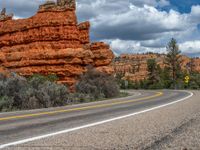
[[134, 66], [51, 42]]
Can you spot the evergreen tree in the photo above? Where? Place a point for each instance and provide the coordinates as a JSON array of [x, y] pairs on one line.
[[153, 74], [192, 65], [173, 61]]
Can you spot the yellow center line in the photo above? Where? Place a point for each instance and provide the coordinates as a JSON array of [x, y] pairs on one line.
[[81, 108]]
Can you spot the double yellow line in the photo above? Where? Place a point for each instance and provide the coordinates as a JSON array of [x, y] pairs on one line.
[[78, 109]]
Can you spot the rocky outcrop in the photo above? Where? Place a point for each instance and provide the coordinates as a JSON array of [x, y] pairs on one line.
[[4, 16], [51, 42], [134, 66]]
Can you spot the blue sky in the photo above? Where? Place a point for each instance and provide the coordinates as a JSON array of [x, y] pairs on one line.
[[132, 26], [182, 6]]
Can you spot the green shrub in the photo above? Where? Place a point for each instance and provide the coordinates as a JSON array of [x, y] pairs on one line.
[[37, 92], [6, 103], [55, 95], [98, 85], [19, 93]]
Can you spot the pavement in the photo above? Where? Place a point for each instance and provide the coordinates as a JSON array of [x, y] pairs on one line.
[[174, 126]]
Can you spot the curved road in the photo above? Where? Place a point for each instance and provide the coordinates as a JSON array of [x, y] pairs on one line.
[[24, 126]]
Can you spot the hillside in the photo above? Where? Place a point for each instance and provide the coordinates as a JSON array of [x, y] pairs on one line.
[[134, 66]]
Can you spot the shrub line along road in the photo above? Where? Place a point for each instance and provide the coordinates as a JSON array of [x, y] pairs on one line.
[[26, 126]]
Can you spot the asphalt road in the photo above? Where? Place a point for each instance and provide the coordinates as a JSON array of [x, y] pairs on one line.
[[17, 126]]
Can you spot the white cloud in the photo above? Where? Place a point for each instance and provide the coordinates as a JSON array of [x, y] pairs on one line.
[[139, 23], [154, 3], [194, 15], [190, 47], [195, 10], [163, 3], [121, 46]]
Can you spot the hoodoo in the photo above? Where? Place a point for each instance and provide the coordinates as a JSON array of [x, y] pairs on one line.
[[51, 42]]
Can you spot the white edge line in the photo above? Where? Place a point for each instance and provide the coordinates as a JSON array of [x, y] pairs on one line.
[[92, 124]]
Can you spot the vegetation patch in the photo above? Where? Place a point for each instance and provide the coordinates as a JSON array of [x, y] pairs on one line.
[[37, 91]]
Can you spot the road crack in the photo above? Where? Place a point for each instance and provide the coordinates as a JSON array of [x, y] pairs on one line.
[[168, 138]]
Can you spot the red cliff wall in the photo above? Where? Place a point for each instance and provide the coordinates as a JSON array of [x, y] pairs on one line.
[[134, 66], [51, 42]]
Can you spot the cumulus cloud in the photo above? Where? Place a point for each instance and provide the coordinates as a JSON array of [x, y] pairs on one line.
[[194, 15], [21, 8], [163, 3], [88, 9], [191, 48], [138, 24], [126, 46], [154, 3]]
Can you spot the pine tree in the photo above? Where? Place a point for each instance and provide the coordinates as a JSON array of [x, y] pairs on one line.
[[173, 61], [153, 74]]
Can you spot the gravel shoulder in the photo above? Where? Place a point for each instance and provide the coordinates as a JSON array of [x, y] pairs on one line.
[[173, 127]]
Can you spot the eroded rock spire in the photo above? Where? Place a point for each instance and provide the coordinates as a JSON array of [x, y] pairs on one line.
[[68, 3], [3, 12], [3, 16], [59, 5]]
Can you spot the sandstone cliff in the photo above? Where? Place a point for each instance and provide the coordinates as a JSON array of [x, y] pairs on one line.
[[134, 66], [51, 42]]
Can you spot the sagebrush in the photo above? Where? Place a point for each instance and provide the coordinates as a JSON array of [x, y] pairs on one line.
[[97, 84], [37, 91]]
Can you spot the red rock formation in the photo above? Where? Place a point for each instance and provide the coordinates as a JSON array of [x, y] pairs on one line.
[[4, 17], [51, 42], [134, 66]]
